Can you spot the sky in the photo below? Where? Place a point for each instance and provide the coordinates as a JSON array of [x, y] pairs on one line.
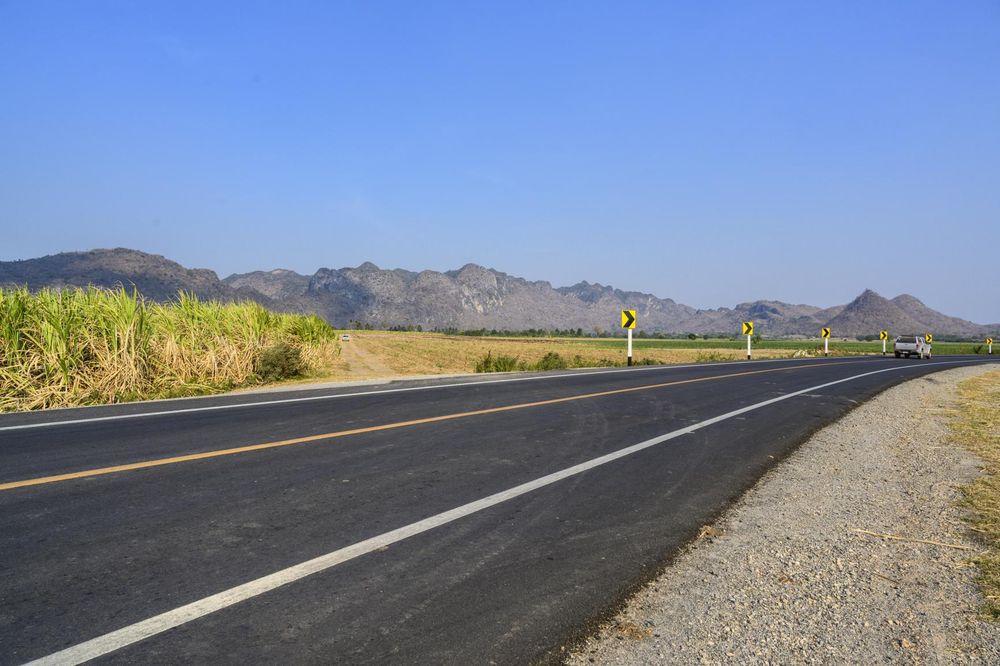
[[709, 152]]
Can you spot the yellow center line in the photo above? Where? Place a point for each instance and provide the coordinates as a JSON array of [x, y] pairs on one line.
[[159, 462]]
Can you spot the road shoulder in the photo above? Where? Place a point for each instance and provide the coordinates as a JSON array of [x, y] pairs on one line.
[[797, 571]]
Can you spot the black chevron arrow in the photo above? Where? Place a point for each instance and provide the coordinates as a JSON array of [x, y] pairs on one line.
[[629, 319]]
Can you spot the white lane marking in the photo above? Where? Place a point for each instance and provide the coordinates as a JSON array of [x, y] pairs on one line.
[[139, 631], [284, 401]]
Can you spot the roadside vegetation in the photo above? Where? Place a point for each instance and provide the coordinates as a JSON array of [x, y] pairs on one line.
[[977, 427], [96, 346], [551, 361]]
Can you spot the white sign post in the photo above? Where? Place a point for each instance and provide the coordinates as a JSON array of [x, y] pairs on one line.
[[628, 323], [748, 331]]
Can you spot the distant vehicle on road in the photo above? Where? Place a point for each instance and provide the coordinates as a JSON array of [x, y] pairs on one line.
[[347, 338], [911, 345]]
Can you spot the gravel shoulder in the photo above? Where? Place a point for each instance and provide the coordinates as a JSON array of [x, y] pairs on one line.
[[786, 576]]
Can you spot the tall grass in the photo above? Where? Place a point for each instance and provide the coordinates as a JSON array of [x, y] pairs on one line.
[[91, 346]]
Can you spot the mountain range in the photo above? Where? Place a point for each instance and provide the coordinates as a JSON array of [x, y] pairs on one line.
[[472, 297]]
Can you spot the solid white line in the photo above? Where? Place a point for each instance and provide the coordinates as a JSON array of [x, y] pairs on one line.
[[158, 624], [284, 401]]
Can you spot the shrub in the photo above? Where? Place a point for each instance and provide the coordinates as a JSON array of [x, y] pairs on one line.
[[491, 363], [280, 361], [552, 361]]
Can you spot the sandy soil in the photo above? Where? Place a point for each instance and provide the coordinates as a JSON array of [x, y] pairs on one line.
[[357, 362]]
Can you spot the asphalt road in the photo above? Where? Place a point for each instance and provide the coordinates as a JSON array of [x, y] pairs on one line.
[[479, 520]]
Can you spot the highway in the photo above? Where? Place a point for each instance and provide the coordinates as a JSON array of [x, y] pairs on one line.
[[491, 519]]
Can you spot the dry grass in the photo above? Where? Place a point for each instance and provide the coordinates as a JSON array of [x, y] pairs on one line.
[[96, 346], [977, 427], [434, 353]]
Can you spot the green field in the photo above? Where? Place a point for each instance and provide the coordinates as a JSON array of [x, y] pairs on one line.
[[838, 347]]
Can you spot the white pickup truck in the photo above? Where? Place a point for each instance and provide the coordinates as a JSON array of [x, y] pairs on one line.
[[911, 345]]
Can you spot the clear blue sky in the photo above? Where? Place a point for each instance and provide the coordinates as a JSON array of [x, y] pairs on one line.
[[711, 152]]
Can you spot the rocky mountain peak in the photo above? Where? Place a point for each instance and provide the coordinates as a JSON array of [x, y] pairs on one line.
[[907, 301]]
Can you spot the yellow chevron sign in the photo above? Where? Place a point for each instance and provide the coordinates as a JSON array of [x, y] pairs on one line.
[[628, 318], [824, 332], [989, 341], [748, 328], [883, 335], [929, 338]]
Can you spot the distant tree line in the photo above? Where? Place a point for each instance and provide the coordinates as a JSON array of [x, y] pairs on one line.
[[937, 337], [526, 333], [579, 332], [597, 332], [357, 325]]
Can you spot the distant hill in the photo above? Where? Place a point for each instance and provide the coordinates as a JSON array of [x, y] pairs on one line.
[[932, 320], [473, 297], [871, 312], [155, 277]]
